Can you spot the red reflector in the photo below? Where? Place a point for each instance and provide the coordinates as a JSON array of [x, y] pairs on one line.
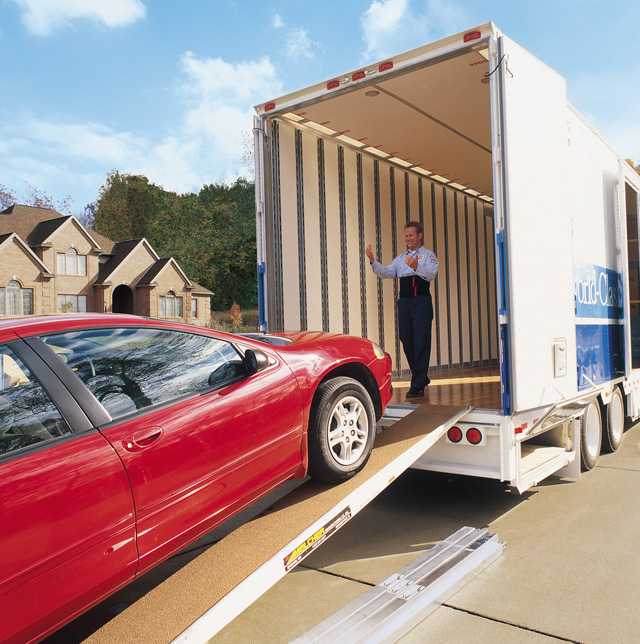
[[385, 66], [474, 436], [269, 106], [472, 35], [358, 76], [333, 84], [455, 434]]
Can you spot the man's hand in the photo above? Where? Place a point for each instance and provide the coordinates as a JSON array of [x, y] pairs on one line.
[[411, 262], [369, 253]]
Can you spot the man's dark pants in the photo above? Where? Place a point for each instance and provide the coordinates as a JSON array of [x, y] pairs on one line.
[[415, 315]]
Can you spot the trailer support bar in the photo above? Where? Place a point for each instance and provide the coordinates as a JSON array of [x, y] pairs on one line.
[[391, 609]]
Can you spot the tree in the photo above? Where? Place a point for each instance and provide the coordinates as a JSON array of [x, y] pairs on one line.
[[33, 197], [210, 234], [635, 166], [7, 197]]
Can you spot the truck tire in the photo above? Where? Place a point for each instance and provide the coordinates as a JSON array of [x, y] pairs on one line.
[[613, 422], [590, 436], [342, 427]]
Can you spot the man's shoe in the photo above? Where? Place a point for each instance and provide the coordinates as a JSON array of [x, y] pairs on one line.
[[415, 393]]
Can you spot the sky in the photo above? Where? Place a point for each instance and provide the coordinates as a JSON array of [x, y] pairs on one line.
[[166, 88]]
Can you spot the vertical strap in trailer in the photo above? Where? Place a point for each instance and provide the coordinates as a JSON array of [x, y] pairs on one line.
[[302, 262], [361, 255]]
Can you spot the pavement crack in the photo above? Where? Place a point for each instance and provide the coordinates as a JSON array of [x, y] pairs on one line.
[[335, 574], [506, 623]]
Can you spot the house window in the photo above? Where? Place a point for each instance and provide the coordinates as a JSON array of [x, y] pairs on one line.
[[194, 307], [15, 300], [170, 306], [72, 303], [70, 263]]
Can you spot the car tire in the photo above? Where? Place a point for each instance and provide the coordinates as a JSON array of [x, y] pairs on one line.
[[613, 422], [590, 436], [342, 428]]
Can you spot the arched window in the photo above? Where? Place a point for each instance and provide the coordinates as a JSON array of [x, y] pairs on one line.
[[71, 263], [170, 306], [15, 300]]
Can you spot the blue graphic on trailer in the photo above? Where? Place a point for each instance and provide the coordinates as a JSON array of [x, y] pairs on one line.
[[599, 328]]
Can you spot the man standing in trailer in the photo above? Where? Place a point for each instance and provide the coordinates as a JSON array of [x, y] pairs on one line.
[[415, 268]]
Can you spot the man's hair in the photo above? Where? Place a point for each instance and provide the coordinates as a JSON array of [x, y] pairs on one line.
[[415, 224]]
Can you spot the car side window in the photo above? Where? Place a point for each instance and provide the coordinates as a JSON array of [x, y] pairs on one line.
[[128, 369], [27, 414]]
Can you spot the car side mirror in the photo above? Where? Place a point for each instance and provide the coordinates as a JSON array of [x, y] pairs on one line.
[[255, 361]]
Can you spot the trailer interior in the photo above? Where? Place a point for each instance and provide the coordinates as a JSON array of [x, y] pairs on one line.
[[351, 167]]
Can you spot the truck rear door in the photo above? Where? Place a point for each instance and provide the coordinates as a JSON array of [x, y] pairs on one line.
[[537, 253]]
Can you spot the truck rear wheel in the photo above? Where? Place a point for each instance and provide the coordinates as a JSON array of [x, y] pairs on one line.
[[613, 422], [342, 427], [590, 436]]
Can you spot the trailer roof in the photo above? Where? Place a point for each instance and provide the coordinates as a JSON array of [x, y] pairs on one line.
[[427, 110]]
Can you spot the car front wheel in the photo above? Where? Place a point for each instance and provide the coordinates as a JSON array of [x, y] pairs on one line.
[[342, 428]]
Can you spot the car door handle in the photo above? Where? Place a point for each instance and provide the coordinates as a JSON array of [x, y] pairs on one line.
[[142, 439]]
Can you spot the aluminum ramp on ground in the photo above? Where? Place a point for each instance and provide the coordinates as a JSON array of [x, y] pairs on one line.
[[392, 608], [200, 599]]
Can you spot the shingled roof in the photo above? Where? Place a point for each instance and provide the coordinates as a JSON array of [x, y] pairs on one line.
[[35, 225]]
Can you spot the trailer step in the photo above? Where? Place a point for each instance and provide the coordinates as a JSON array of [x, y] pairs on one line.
[[391, 609]]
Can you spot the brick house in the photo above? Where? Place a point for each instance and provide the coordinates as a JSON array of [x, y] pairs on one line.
[[50, 263]]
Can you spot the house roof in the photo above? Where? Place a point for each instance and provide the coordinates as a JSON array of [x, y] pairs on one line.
[[36, 225], [22, 220]]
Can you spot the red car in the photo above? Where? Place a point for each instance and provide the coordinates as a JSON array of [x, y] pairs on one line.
[[123, 439]]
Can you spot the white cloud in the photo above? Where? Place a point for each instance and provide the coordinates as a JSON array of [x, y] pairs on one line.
[[43, 17], [392, 26], [219, 97], [277, 22], [299, 45], [206, 145]]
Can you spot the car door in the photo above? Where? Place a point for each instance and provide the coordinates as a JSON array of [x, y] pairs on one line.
[[67, 534], [198, 436]]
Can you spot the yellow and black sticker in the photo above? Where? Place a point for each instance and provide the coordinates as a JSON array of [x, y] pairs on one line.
[[318, 537]]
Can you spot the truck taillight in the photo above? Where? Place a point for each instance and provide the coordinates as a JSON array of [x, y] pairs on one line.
[[455, 434], [385, 66], [474, 436], [333, 84], [269, 106], [472, 35]]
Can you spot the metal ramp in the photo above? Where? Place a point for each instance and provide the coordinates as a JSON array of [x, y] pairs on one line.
[[204, 596], [391, 609]]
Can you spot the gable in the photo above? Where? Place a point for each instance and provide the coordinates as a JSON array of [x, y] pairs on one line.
[[19, 260], [134, 265], [72, 233], [171, 276]]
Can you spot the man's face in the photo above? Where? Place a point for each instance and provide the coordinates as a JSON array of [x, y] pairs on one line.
[[412, 238]]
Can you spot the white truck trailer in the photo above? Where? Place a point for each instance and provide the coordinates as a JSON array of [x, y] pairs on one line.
[[532, 215]]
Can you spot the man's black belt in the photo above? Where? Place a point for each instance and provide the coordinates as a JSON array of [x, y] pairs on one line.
[[413, 285]]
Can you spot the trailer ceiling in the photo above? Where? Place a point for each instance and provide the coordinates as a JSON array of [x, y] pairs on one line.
[[436, 117]]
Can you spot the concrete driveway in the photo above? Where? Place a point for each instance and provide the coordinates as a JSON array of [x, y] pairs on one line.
[[570, 571]]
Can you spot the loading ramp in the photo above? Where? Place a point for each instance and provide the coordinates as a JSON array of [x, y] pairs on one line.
[[200, 599]]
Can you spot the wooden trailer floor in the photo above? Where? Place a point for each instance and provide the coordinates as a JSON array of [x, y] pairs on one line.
[[478, 387]]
